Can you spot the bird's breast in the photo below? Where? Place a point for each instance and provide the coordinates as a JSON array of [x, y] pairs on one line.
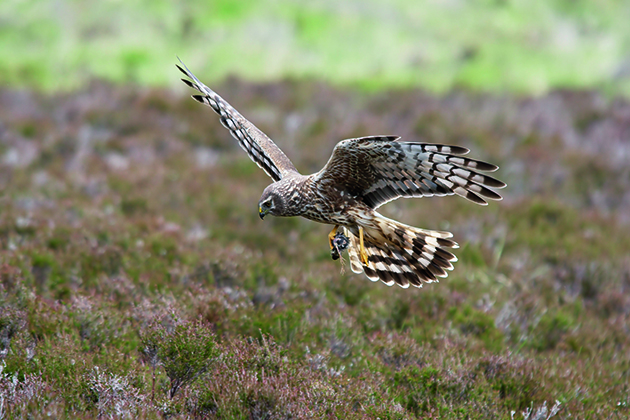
[[327, 204]]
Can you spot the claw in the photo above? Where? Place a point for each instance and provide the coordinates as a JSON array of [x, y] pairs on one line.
[[331, 236], [362, 253]]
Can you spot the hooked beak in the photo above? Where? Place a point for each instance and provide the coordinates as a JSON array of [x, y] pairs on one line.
[[261, 213]]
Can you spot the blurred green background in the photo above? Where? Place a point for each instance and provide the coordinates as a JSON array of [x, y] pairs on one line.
[[521, 46]]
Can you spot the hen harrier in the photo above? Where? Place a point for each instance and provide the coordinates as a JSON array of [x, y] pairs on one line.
[[361, 175]]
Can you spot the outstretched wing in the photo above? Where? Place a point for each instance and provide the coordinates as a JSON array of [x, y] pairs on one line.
[[260, 148], [379, 169]]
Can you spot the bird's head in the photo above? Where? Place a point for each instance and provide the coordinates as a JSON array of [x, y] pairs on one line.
[[270, 203]]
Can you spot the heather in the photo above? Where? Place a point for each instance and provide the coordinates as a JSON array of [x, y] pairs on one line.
[[137, 280]]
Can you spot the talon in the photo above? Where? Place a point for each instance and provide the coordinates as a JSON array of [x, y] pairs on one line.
[[362, 253], [331, 236], [364, 258]]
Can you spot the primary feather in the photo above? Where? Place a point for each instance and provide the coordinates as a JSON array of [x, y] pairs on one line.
[[260, 148]]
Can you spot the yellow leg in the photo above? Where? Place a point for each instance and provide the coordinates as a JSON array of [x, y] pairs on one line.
[[362, 253], [331, 236]]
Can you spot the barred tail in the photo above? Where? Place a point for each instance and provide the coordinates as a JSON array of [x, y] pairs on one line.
[[402, 254]]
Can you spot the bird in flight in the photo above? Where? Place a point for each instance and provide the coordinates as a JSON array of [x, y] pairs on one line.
[[361, 175]]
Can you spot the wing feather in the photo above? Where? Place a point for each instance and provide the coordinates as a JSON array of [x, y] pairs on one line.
[[260, 148], [380, 169]]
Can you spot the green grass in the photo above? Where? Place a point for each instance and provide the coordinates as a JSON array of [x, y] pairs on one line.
[[512, 45]]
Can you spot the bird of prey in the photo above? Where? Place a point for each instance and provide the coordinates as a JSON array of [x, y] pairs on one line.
[[361, 175]]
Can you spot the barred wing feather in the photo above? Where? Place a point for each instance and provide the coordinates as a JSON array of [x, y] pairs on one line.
[[260, 148], [380, 169]]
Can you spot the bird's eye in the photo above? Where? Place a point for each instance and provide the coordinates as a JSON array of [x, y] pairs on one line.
[[267, 204]]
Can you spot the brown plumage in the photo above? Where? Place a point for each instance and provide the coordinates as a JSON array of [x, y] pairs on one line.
[[361, 175]]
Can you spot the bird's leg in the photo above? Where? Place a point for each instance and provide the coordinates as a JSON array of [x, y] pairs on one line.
[[362, 253], [331, 236]]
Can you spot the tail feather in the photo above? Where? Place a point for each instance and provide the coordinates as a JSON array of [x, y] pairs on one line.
[[401, 254]]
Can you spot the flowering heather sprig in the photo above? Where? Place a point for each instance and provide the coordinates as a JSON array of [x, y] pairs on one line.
[[18, 396], [117, 398]]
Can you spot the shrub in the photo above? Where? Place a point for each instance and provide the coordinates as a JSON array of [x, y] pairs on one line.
[[515, 380], [478, 324], [11, 323], [185, 352], [550, 330]]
